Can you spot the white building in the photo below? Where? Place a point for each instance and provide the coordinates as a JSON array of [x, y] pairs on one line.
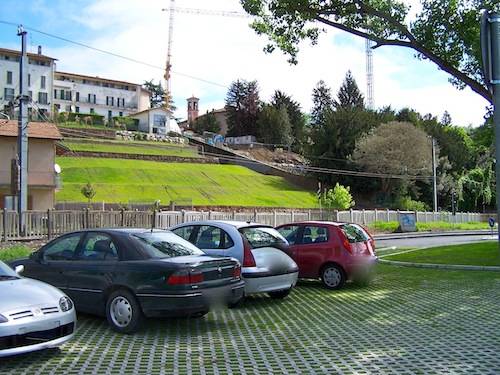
[[40, 81], [154, 121], [106, 97]]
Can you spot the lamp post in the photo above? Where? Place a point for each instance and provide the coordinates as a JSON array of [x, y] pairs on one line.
[[490, 48]]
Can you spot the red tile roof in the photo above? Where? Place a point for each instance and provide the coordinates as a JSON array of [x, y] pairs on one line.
[[43, 130]]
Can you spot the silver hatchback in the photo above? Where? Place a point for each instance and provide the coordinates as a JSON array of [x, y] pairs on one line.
[[261, 250], [33, 315]]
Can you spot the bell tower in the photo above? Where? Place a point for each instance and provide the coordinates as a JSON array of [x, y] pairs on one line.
[[192, 109]]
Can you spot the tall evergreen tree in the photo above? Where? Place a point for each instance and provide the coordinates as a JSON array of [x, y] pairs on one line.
[[242, 106], [274, 125], [322, 102], [349, 95], [295, 116]]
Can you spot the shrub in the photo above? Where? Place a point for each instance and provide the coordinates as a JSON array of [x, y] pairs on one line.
[[79, 117], [131, 124], [338, 198], [408, 204]]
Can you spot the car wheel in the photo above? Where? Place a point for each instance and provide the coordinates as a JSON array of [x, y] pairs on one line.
[[280, 294], [236, 304], [123, 311], [333, 276]]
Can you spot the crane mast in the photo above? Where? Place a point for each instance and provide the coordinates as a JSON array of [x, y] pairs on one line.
[[369, 75]]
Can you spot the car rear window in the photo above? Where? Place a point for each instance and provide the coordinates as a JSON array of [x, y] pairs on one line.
[[354, 233], [165, 245], [6, 273], [263, 237]]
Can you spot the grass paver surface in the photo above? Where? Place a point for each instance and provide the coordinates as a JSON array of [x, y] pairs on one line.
[[407, 321], [475, 254], [121, 181]]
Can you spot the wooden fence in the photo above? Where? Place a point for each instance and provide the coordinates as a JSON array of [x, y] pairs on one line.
[[51, 223]]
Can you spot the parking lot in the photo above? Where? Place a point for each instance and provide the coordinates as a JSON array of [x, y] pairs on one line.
[[407, 321]]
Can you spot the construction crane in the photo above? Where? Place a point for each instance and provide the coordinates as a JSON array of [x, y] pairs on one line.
[[168, 63]]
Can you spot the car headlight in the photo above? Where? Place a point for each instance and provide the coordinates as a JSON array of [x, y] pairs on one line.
[[65, 303], [3, 319]]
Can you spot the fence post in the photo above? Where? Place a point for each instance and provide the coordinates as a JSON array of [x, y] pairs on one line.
[[335, 215], [233, 215], [210, 215], [4, 213], [85, 218], [363, 217], [183, 214], [254, 215], [351, 215], [309, 215], [122, 217], [49, 225], [376, 215], [153, 219], [293, 217], [388, 217], [274, 218], [416, 216]]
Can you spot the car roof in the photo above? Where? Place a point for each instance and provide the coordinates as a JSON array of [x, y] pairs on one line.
[[317, 222], [233, 223], [118, 230]]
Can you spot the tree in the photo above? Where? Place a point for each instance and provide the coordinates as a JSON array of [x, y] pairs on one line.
[[88, 191], [322, 101], [208, 122], [349, 95], [295, 116], [338, 198], [444, 32], [386, 151], [242, 106], [274, 126], [159, 96]]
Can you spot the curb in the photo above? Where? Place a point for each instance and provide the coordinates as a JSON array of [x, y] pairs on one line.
[[441, 266], [395, 236]]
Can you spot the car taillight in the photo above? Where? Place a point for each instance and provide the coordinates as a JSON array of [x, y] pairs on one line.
[[248, 259], [347, 245], [237, 272], [185, 278]]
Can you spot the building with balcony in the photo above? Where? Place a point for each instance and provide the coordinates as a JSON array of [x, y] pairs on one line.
[[109, 98], [42, 137], [40, 78]]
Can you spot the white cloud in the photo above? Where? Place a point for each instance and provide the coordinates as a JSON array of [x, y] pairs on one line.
[[222, 49]]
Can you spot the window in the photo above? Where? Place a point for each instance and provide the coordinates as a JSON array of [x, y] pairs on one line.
[[184, 232], [262, 236], [42, 98], [290, 232], [77, 109], [77, 96], [8, 94], [43, 82], [62, 95], [9, 78], [29, 79], [94, 98], [120, 114], [100, 247], [159, 120], [213, 238], [110, 115], [354, 233], [55, 94], [68, 95], [30, 94], [314, 234], [92, 110], [112, 100], [91, 98], [164, 245], [63, 248], [107, 100]]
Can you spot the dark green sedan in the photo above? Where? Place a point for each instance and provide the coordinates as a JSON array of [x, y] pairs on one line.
[[129, 274]]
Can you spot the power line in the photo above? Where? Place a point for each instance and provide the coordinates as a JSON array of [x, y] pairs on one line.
[[115, 54]]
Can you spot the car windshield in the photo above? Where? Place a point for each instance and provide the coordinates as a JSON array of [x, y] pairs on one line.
[[354, 233], [263, 236], [165, 245], [7, 273]]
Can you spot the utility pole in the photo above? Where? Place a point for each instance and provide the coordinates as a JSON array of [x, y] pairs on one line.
[[490, 48], [22, 133], [434, 176]]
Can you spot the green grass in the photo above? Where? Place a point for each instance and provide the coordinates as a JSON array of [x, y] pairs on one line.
[[78, 125], [132, 147], [121, 181], [476, 254], [12, 252], [392, 226]]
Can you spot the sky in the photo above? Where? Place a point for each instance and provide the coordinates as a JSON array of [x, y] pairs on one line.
[[210, 52]]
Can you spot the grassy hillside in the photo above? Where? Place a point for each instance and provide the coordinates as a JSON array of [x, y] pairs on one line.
[[121, 181], [129, 147]]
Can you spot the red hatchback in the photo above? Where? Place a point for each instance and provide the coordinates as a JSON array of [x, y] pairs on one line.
[[333, 252]]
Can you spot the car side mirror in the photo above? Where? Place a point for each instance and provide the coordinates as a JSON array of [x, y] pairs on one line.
[[19, 269], [36, 256]]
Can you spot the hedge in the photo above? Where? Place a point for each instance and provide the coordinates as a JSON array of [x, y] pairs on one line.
[[131, 124], [71, 116]]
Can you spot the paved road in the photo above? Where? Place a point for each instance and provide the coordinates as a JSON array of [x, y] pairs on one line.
[[432, 241]]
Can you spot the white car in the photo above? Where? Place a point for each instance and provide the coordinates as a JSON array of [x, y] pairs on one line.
[[33, 315], [261, 250]]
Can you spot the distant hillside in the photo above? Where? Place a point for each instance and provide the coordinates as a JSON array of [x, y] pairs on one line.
[[121, 181]]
